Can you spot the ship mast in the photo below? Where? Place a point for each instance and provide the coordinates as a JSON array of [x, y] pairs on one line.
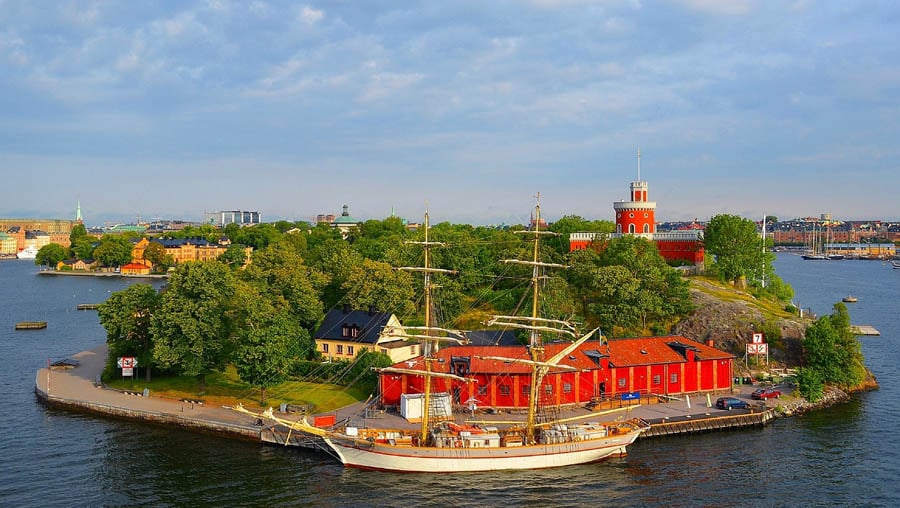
[[430, 339], [534, 323]]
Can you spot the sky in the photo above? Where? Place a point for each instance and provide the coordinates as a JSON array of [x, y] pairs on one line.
[[471, 109]]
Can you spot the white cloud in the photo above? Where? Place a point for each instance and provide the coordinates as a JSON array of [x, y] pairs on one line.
[[311, 16], [723, 7]]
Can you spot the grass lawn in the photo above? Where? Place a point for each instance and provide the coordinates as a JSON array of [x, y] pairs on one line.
[[227, 389]]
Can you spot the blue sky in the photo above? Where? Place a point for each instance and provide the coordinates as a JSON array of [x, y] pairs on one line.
[[167, 109]]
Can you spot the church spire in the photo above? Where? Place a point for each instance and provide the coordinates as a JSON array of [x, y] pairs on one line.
[[78, 212]]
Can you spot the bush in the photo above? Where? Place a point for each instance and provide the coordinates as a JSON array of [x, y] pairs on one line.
[[811, 384]]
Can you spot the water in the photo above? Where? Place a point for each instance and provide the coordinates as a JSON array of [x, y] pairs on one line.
[[843, 456]]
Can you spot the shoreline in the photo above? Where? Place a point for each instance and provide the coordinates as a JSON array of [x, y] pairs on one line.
[[76, 389], [102, 274]]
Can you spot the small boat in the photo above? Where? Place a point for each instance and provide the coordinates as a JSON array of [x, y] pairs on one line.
[[895, 264], [849, 299]]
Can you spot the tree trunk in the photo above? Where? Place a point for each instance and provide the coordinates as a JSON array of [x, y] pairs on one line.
[[262, 395], [147, 373], [202, 379]]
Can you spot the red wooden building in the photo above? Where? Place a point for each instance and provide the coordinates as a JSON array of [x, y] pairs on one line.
[[652, 365]]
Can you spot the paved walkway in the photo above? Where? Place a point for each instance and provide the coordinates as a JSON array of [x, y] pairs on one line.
[[77, 387]]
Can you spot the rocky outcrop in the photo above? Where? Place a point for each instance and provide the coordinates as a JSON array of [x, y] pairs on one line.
[[729, 324]]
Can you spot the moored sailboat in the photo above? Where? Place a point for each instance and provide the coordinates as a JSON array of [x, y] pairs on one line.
[[542, 440]]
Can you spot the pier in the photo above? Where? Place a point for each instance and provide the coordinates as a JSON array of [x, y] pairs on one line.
[[864, 330], [31, 325], [87, 306]]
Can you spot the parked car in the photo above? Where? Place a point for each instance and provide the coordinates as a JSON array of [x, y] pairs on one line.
[[730, 403], [765, 393]]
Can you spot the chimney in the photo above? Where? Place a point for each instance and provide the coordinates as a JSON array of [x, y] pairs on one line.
[[346, 308], [710, 343]]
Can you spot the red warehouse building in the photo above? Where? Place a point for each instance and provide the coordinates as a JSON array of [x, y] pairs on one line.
[[652, 365]]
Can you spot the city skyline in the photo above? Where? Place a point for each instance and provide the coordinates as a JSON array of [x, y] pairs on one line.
[[740, 107]]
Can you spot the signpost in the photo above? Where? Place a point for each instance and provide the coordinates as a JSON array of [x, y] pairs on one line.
[[127, 364], [757, 346]]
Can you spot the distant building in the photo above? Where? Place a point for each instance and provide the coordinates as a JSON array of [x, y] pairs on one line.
[[185, 249], [637, 217], [58, 230], [8, 244], [239, 217], [345, 223]]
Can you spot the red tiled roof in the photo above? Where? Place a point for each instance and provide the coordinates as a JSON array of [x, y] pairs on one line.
[[621, 353], [135, 266]]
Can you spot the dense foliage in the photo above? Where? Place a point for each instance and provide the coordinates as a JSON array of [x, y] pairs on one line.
[[832, 354], [738, 253], [260, 316]]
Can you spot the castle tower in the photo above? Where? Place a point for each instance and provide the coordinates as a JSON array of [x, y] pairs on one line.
[[637, 216]]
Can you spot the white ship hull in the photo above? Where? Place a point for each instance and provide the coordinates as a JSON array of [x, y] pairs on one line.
[[385, 457], [27, 253]]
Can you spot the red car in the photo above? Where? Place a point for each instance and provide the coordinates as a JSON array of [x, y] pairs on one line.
[[765, 393]]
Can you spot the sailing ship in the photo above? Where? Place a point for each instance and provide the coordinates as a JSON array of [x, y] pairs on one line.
[[542, 440]]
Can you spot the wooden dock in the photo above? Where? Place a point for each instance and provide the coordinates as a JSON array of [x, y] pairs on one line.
[[864, 330], [695, 425], [87, 306], [31, 325]]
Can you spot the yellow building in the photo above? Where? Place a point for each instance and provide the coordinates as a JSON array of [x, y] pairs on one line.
[[184, 249], [345, 333], [8, 245]]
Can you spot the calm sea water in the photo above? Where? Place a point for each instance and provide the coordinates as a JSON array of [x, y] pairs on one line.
[[844, 456]]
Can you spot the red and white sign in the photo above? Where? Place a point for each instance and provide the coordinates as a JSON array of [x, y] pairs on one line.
[[127, 364], [757, 338], [757, 349]]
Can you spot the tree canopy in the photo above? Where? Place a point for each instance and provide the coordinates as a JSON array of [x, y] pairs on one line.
[[51, 254], [738, 249], [832, 354], [126, 317]]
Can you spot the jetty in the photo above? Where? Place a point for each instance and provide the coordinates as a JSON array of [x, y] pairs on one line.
[[87, 306], [31, 325], [864, 330]]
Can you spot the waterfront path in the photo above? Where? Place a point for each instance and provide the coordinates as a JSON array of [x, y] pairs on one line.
[[77, 388]]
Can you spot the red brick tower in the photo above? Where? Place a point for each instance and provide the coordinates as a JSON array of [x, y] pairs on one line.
[[638, 215]]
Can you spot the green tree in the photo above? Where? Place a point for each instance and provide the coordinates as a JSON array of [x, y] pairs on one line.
[[126, 317], [279, 274], [83, 247], [832, 352], [192, 330], [113, 251], [335, 258], [51, 254], [569, 224], [234, 256], [737, 248], [267, 340], [376, 284], [78, 232], [155, 253]]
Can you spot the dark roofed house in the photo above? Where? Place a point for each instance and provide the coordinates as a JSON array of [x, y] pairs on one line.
[[345, 333]]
